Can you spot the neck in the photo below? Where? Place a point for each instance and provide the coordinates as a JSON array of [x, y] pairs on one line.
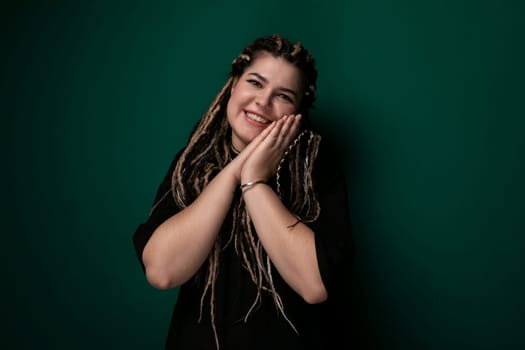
[[235, 150]]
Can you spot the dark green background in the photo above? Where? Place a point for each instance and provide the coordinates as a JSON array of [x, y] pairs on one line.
[[425, 99]]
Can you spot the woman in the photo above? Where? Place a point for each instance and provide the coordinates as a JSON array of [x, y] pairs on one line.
[[251, 219]]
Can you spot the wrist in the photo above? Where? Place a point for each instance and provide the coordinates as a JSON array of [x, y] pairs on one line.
[[233, 172], [245, 186]]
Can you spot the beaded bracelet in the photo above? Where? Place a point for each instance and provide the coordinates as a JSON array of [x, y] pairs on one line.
[[247, 185]]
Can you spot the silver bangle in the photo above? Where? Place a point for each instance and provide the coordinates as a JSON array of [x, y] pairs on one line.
[[250, 184]]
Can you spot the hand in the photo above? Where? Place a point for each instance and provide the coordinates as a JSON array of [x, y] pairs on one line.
[[263, 159], [236, 165]]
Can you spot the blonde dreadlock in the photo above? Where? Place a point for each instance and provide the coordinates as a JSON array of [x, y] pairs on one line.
[[208, 152]]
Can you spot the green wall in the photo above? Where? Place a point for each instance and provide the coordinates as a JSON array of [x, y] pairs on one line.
[[425, 99]]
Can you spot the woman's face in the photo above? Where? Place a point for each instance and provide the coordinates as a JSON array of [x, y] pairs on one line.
[[269, 89]]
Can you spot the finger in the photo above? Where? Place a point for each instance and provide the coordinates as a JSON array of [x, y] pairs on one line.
[[273, 137], [295, 125], [262, 135], [287, 123], [283, 131], [292, 128], [248, 150]]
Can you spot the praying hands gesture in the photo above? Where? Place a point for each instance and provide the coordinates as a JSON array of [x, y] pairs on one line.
[[290, 247], [260, 159]]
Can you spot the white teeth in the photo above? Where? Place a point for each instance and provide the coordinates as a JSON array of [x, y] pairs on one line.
[[256, 118]]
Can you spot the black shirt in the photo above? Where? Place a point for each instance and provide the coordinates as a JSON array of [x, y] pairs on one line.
[[317, 325]]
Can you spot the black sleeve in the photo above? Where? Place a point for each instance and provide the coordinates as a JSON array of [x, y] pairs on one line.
[[333, 227], [163, 208]]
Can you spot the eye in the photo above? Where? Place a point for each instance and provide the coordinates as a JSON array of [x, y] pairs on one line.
[[286, 98], [254, 82]]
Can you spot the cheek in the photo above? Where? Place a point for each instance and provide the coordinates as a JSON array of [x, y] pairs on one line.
[[236, 98], [233, 101], [233, 108], [229, 110], [288, 109]]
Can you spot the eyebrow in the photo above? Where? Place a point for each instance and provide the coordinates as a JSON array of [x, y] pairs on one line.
[[280, 88]]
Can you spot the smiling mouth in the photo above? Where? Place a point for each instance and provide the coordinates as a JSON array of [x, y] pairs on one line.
[[257, 118]]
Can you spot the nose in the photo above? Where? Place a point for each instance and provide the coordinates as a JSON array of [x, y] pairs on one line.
[[264, 98]]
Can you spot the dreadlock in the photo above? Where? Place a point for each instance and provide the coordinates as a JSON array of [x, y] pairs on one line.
[[208, 151]]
